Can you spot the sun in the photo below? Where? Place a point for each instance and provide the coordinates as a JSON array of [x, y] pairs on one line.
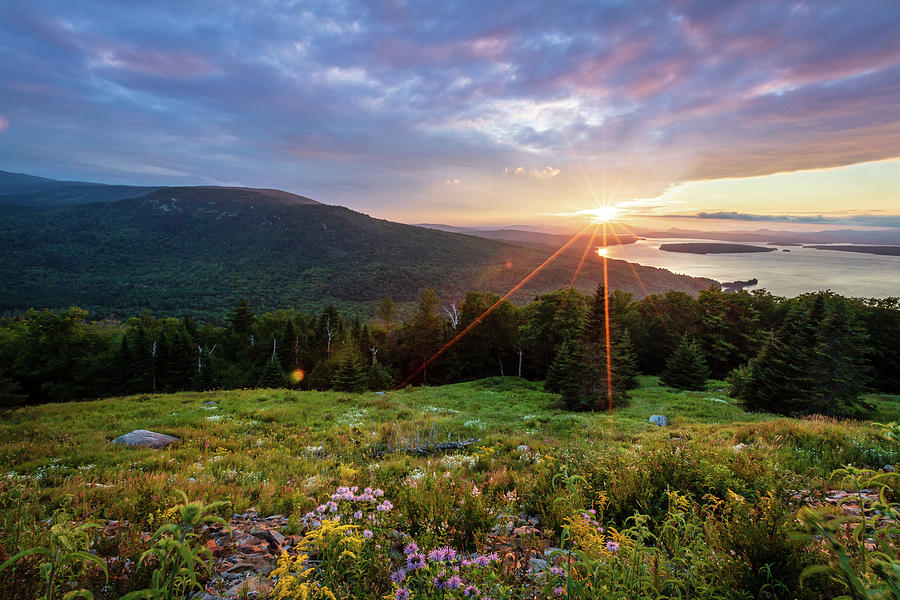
[[602, 214]]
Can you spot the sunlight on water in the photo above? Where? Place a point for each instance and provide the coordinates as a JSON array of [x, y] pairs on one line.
[[798, 271]]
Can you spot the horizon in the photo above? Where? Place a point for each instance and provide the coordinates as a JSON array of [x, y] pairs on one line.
[[690, 115]]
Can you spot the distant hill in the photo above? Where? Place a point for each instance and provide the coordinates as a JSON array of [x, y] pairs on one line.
[[787, 238], [197, 250], [39, 192], [530, 238]]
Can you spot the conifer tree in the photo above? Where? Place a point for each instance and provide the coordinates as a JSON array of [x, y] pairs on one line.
[[588, 383], [272, 375], [558, 368], [841, 368], [686, 368], [350, 374]]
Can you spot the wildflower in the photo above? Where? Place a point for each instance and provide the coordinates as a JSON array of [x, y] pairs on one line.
[[384, 506], [377, 492], [556, 571], [612, 546], [398, 575], [332, 506], [558, 591], [357, 515], [321, 509], [475, 491], [454, 582], [401, 594], [442, 554], [471, 591], [415, 561], [367, 533], [411, 548]]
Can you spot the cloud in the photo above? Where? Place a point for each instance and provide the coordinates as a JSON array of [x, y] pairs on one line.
[[369, 104], [545, 173], [4, 123], [868, 220]]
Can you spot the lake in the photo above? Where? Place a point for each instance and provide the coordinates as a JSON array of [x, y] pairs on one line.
[[782, 273]]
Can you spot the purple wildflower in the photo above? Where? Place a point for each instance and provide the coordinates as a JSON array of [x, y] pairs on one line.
[[411, 548], [612, 546], [398, 575], [415, 561], [455, 582], [367, 533], [401, 594], [558, 591]]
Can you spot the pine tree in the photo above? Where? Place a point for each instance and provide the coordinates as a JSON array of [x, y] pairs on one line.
[[272, 375], [379, 378], [686, 368], [288, 348], [242, 321], [556, 373], [589, 383], [350, 374], [840, 363]]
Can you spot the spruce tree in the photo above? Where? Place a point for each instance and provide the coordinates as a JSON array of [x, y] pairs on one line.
[[272, 375], [589, 382], [686, 368], [350, 374], [841, 369], [556, 373]]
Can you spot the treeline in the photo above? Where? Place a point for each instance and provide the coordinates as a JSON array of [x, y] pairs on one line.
[[814, 353]]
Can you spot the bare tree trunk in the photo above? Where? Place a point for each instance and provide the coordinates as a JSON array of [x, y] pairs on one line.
[[500, 358], [520, 353], [452, 314]]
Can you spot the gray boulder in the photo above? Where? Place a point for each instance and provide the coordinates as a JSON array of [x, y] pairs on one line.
[[659, 420], [144, 438]]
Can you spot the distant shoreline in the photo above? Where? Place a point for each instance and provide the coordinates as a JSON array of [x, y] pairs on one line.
[[880, 250], [713, 248]]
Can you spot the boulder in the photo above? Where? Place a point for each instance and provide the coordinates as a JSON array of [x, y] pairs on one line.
[[660, 420], [146, 439], [888, 468]]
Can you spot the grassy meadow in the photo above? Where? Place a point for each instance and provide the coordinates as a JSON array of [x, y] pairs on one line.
[[531, 463]]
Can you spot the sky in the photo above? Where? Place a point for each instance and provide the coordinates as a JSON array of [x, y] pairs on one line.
[[696, 114]]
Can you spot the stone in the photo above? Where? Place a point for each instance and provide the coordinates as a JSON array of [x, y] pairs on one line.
[[253, 586], [146, 439], [660, 420], [379, 393], [888, 468]]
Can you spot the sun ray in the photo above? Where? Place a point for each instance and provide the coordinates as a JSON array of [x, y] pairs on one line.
[[587, 249], [471, 325]]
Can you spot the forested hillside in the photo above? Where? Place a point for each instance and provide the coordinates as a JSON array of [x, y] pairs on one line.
[[180, 251]]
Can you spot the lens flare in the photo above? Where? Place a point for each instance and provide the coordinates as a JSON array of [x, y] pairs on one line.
[[602, 252], [297, 375]]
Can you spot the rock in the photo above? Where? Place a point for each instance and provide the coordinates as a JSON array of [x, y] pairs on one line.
[[660, 420], [888, 468], [379, 393], [209, 403], [144, 438], [254, 586], [537, 565]]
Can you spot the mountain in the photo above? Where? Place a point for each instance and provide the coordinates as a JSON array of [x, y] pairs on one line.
[[197, 250], [19, 189], [530, 238]]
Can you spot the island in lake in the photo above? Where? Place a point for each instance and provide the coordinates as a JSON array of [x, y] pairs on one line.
[[712, 248], [883, 250]]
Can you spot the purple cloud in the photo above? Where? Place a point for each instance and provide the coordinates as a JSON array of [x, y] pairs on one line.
[[374, 105]]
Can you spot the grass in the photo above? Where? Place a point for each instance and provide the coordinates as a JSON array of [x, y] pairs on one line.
[[283, 451]]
